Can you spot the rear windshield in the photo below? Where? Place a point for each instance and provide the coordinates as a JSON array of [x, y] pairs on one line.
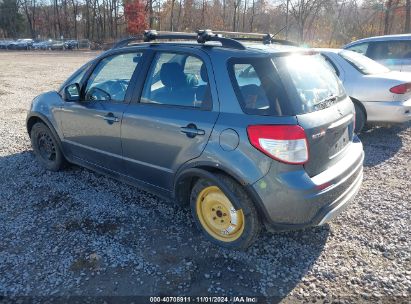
[[285, 85], [363, 64]]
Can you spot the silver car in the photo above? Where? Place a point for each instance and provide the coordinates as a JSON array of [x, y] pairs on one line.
[[379, 94], [393, 51]]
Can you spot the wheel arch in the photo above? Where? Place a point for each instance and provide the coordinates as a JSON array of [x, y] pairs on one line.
[[186, 178], [359, 103], [38, 117]]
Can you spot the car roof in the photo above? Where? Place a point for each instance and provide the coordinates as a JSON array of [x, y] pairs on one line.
[[328, 50], [381, 38], [250, 48]]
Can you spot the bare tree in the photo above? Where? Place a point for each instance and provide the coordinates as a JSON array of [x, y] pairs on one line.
[[302, 10], [29, 7], [387, 16], [407, 16]]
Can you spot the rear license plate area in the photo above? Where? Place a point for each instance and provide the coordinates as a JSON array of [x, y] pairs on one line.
[[341, 142]]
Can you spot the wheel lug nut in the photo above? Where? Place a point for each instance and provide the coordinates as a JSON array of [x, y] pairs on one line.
[[222, 221], [212, 209], [214, 218]]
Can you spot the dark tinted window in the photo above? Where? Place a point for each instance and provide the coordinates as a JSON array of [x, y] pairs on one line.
[[390, 50]]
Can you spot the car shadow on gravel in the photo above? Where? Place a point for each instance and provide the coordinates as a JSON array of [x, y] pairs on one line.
[[381, 143], [187, 264], [106, 238]]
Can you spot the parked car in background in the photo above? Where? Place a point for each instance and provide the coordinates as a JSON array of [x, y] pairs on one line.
[[379, 94], [83, 44], [4, 44], [393, 51], [37, 45], [42, 45], [57, 45], [21, 44], [245, 134], [71, 44]]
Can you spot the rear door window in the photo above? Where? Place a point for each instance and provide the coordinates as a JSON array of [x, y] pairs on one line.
[[390, 50], [177, 80]]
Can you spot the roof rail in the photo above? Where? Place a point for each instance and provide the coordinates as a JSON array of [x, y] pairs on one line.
[[202, 36], [126, 41], [264, 38]]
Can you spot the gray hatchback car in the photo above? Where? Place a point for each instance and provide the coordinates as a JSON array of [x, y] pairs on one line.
[[246, 133]]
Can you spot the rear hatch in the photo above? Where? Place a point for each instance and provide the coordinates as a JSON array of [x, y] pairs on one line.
[[321, 107], [329, 132], [302, 85]]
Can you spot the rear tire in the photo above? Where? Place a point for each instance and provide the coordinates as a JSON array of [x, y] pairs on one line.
[[46, 147], [360, 118], [231, 223]]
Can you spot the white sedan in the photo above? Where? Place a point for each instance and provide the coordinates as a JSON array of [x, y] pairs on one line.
[[379, 94]]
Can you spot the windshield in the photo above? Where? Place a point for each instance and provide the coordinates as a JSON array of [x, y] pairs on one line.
[[363, 64], [284, 85]]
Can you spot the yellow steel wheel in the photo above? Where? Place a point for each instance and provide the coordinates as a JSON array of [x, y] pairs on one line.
[[218, 216]]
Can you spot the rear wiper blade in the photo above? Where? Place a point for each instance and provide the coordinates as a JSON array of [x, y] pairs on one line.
[[331, 97], [326, 102]]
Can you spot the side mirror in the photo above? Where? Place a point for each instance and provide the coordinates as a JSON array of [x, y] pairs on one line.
[[72, 92]]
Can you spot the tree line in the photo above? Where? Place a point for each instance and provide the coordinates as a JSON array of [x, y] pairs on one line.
[[318, 22]]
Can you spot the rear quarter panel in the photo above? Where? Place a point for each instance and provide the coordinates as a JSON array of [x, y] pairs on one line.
[[242, 160]]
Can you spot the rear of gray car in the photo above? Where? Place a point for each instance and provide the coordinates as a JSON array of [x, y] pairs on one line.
[[295, 91]]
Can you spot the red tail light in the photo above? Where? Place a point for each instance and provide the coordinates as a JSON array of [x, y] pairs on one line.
[[401, 89], [285, 143]]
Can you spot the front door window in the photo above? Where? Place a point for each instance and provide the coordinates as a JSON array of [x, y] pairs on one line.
[[111, 77]]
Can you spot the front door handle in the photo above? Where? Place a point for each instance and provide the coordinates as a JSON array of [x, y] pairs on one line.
[[191, 130], [110, 118]]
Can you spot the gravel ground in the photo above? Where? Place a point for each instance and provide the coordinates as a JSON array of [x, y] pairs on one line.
[[79, 233]]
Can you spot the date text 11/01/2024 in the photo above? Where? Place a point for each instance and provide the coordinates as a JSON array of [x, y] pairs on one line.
[[206, 299]]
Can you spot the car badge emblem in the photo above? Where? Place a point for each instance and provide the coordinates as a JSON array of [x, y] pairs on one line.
[[318, 135]]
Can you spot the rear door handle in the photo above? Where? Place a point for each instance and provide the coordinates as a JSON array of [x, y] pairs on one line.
[[191, 130], [110, 118]]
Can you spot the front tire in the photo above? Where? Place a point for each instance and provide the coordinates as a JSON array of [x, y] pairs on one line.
[[46, 148], [227, 217]]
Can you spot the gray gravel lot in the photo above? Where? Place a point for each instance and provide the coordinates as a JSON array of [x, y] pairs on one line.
[[79, 233]]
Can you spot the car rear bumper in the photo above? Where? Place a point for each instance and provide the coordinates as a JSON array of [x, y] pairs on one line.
[[388, 111], [294, 200]]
